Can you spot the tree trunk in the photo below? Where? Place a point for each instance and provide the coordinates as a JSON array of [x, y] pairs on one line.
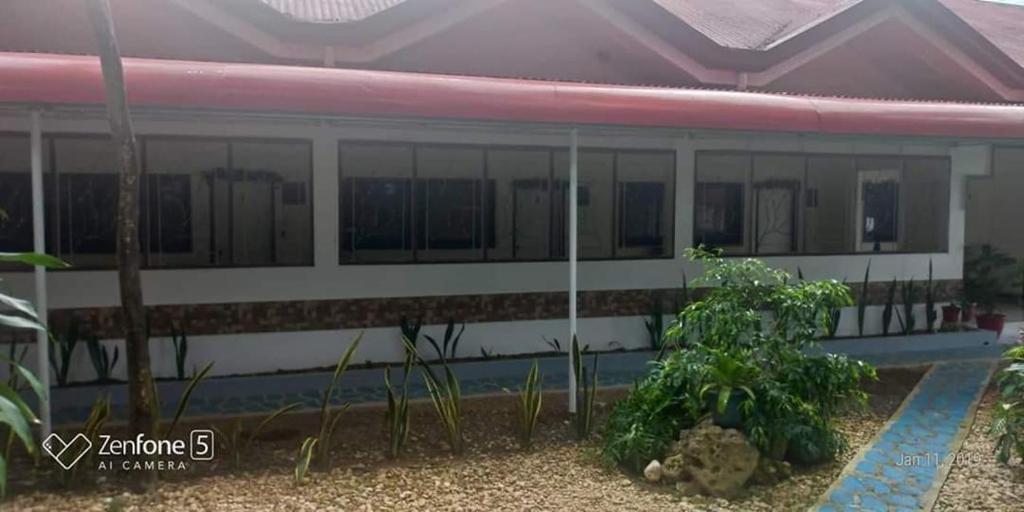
[[140, 400]]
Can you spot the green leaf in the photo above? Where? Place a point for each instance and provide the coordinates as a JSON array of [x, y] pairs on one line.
[[305, 456], [20, 322], [11, 394], [33, 382], [266, 421], [22, 306], [11, 414], [186, 396], [31, 258]]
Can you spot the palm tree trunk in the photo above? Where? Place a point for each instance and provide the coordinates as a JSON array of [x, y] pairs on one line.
[[140, 400]]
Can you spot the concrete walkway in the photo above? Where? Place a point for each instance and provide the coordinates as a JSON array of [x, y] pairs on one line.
[[906, 464]]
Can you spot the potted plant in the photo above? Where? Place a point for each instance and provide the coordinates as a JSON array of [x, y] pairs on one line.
[[985, 273], [730, 377], [950, 314]]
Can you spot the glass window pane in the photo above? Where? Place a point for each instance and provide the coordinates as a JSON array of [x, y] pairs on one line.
[[449, 203], [522, 203], [830, 205], [777, 188], [86, 207], [177, 208], [925, 199], [270, 203], [878, 221], [15, 195], [646, 204], [595, 205], [720, 201], [376, 202]]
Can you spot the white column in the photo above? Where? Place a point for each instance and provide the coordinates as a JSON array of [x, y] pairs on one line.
[[39, 246], [325, 200], [573, 183]]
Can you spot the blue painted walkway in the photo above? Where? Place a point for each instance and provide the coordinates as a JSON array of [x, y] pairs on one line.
[[905, 467]]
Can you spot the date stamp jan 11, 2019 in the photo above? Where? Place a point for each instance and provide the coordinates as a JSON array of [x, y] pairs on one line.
[[934, 459]]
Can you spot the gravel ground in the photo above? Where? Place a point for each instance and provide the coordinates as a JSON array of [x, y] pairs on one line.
[[495, 475], [977, 481]]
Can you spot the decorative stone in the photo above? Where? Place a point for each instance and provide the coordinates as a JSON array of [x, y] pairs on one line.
[[653, 471], [711, 460]]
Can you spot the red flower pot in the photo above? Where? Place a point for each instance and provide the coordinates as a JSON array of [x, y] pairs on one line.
[[967, 315], [950, 314], [992, 322]]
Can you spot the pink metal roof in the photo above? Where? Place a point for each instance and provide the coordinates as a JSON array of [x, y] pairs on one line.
[[331, 11], [740, 24], [77, 80]]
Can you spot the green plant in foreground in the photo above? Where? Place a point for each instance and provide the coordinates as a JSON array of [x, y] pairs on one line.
[[15, 414], [586, 391], [1008, 415], [529, 405], [328, 420], [303, 459], [397, 415], [729, 373], [862, 300], [887, 311], [237, 442], [752, 327], [102, 362], [446, 397]]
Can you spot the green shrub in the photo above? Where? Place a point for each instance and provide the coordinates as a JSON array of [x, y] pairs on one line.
[[1008, 416], [642, 425], [748, 333]]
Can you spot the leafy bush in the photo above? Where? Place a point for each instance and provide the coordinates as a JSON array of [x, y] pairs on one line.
[[15, 414], [445, 394], [749, 332], [1008, 417], [642, 425]]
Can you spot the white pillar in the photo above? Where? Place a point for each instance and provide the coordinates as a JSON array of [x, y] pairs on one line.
[[573, 183], [39, 246]]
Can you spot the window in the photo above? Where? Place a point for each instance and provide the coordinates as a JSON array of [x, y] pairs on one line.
[[645, 203], [15, 195], [227, 202], [429, 202], [720, 203], [203, 202], [85, 206], [765, 203], [450, 202]]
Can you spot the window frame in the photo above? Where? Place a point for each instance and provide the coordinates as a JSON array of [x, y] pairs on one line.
[[855, 157], [552, 190]]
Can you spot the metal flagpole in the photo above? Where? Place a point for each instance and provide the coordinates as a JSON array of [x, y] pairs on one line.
[[573, 183], [39, 246]]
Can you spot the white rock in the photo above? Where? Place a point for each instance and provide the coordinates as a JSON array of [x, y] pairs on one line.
[[653, 471]]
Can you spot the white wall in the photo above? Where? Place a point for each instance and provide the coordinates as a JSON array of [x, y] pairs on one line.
[[329, 280]]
